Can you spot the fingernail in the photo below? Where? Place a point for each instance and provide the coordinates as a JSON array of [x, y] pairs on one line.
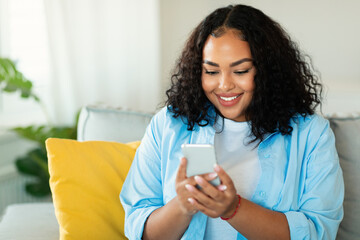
[[216, 168], [188, 187], [222, 187], [212, 175], [190, 200], [198, 179]]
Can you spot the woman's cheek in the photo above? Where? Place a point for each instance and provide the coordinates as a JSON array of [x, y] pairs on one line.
[[246, 85], [208, 84]]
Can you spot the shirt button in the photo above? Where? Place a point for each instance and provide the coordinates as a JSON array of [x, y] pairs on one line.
[[262, 194]]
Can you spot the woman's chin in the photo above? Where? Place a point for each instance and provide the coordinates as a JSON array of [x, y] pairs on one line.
[[234, 117]]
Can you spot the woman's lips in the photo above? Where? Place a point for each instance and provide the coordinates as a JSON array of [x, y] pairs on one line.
[[228, 100]]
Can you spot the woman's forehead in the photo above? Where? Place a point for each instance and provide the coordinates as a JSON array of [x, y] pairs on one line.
[[227, 46]]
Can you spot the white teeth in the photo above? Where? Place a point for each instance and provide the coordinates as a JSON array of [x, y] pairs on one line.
[[229, 98]]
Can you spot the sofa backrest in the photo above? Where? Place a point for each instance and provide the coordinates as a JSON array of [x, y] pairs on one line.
[[347, 140], [109, 124]]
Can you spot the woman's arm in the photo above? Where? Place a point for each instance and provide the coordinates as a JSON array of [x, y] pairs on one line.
[[172, 220], [167, 222], [256, 222]]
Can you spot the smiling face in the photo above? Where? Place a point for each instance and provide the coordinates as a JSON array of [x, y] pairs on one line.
[[228, 74]]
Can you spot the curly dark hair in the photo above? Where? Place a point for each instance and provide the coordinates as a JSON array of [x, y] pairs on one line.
[[285, 82]]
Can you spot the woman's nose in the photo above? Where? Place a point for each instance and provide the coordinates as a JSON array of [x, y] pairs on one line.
[[226, 82]]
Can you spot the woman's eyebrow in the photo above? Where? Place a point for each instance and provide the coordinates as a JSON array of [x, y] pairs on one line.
[[210, 63], [231, 65], [240, 62]]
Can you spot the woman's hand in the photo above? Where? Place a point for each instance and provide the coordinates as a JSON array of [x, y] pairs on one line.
[[182, 194], [182, 183], [220, 201]]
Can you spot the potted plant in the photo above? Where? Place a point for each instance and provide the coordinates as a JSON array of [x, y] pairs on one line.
[[34, 162]]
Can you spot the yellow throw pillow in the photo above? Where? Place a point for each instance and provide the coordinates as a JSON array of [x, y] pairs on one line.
[[85, 180]]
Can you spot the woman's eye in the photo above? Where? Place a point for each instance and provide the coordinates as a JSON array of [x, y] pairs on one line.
[[211, 72], [242, 72]]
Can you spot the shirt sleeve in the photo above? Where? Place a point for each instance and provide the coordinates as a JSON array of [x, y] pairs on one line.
[[320, 205], [142, 190]]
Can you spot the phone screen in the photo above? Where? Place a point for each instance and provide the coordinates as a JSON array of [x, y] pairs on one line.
[[201, 159]]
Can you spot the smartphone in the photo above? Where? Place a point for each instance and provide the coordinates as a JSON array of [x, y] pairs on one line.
[[201, 159]]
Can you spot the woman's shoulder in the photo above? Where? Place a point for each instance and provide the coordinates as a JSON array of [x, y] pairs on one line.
[[166, 119], [310, 124], [166, 115], [309, 119]]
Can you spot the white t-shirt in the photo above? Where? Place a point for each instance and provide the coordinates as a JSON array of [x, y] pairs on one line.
[[240, 160]]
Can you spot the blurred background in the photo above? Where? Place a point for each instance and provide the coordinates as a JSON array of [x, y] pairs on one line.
[[120, 53]]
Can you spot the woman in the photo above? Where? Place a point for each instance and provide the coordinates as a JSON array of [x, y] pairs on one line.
[[242, 85]]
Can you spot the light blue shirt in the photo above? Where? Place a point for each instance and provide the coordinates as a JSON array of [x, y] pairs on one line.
[[301, 176]]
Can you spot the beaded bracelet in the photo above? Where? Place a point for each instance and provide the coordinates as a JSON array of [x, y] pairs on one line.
[[237, 207]]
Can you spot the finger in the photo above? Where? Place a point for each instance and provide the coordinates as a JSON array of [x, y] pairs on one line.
[[225, 179], [209, 176], [221, 187], [181, 173], [200, 196], [208, 188], [200, 207], [186, 206], [213, 179]]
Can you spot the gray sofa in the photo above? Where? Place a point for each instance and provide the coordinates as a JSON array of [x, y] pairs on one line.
[[36, 221]]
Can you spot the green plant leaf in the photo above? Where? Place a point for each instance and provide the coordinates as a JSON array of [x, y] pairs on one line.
[[14, 81], [27, 166], [40, 158], [29, 132], [33, 163], [38, 189], [7, 67], [62, 132], [41, 133]]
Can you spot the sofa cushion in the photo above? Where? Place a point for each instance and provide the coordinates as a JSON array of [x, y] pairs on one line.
[[109, 124], [30, 221], [347, 135], [86, 179]]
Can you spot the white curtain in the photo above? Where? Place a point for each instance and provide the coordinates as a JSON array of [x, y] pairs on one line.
[[103, 52], [3, 40], [4, 24]]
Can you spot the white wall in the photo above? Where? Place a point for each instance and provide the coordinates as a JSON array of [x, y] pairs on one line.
[[327, 30]]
